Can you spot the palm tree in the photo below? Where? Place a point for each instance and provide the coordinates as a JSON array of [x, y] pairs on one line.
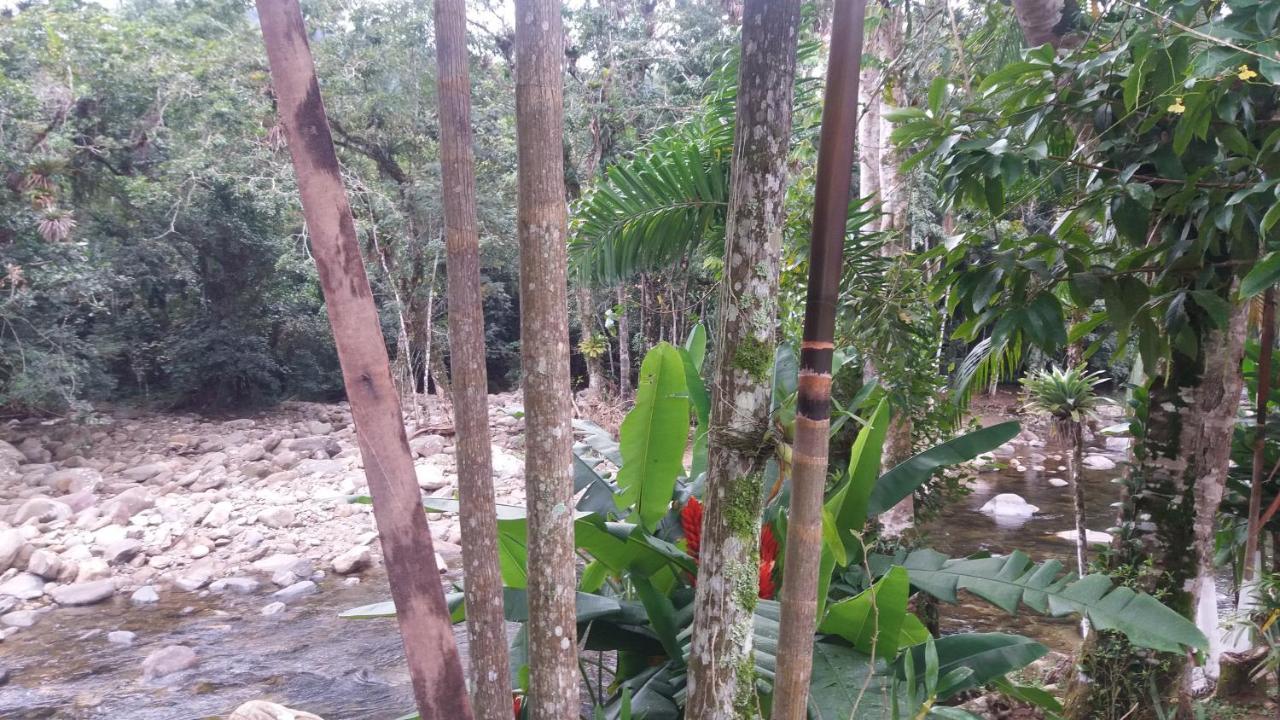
[[1067, 397]]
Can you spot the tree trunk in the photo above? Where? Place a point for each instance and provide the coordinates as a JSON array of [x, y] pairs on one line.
[[813, 402], [721, 671], [1173, 489], [544, 350], [1076, 466], [1266, 341], [595, 365], [432, 656], [486, 624], [624, 346], [1046, 21]]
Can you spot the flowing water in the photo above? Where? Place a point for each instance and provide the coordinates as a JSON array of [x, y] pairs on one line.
[[308, 658], [305, 658], [962, 529]]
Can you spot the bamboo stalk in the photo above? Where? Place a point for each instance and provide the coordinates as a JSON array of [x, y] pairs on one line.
[[813, 404], [432, 655]]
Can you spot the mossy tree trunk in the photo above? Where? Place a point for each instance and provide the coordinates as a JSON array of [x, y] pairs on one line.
[[1173, 488], [721, 669]]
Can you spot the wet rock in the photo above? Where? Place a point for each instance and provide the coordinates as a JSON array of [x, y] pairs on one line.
[[196, 577], [1092, 537], [237, 585], [20, 618], [121, 637], [262, 710], [23, 586], [276, 563], [11, 542], [1099, 462], [296, 591], [1009, 505], [86, 593], [144, 595], [91, 569], [352, 561], [1058, 482], [168, 660], [274, 608]]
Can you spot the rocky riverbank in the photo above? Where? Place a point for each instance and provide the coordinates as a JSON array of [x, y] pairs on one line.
[[148, 505]]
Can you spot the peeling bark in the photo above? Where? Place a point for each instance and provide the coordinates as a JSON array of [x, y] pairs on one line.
[[721, 669], [544, 348]]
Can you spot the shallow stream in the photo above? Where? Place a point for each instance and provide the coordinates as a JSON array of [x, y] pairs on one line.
[[307, 658]]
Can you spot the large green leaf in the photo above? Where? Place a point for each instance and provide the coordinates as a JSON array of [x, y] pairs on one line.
[[849, 504], [845, 684], [650, 695], [988, 655], [1014, 581], [1264, 274], [872, 620], [654, 435], [904, 478]]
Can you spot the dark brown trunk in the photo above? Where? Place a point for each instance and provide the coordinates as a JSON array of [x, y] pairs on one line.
[[721, 671], [1046, 21], [544, 352], [1266, 341], [813, 402], [486, 625], [432, 655]]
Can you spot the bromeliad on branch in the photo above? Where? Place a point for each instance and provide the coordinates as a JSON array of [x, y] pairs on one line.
[[691, 521]]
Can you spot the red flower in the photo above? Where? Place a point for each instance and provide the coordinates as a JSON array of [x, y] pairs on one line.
[[691, 521], [516, 703]]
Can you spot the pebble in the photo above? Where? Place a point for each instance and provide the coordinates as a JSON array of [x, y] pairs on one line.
[[121, 637], [296, 591], [145, 595], [274, 608]]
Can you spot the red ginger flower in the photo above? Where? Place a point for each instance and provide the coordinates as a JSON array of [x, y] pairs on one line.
[[691, 521]]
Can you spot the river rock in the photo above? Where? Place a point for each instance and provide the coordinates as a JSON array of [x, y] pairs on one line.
[[1099, 462], [91, 569], [1058, 482], [274, 608], [296, 591], [33, 450], [121, 637], [20, 618], [73, 480], [168, 660], [11, 542], [262, 710], [1092, 537], [42, 510], [275, 563], [127, 504], [44, 563], [143, 473], [119, 553], [352, 561], [196, 577], [310, 446], [86, 593], [1009, 505], [144, 595], [426, 445], [430, 477], [23, 586], [276, 517]]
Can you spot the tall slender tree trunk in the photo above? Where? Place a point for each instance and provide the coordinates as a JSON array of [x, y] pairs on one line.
[[595, 363], [1266, 343], [486, 624], [721, 671], [1076, 439], [434, 665], [813, 403], [624, 345], [544, 343], [1173, 488]]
